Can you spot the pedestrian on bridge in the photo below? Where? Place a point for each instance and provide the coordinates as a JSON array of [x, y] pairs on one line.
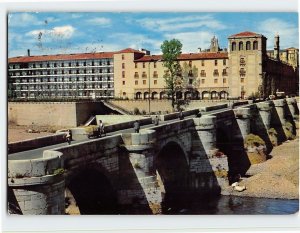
[[101, 128], [136, 126], [69, 136], [156, 120], [181, 115]]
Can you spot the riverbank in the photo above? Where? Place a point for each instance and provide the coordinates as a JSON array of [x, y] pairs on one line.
[[278, 177]]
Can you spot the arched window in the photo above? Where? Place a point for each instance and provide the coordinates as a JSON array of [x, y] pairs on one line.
[[233, 46], [255, 45], [248, 45], [241, 46]]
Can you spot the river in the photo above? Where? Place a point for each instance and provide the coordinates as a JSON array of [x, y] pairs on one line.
[[224, 205]]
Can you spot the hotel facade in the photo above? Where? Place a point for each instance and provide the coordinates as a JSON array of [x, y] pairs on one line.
[[246, 68]]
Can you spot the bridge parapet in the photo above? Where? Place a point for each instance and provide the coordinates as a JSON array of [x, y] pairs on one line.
[[242, 116], [292, 105], [37, 186]]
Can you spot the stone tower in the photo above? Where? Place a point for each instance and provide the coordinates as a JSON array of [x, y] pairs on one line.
[[247, 52], [214, 45]]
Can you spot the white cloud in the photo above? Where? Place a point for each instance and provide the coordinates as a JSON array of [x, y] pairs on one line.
[[22, 19], [99, 21], [191, 41], [180, 23], [288, 32], [76, 16], [63, 32]]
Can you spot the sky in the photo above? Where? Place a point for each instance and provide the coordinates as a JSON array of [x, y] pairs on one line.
[[82, 32]]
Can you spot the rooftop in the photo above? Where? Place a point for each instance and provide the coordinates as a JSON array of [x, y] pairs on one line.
[[246, 34]]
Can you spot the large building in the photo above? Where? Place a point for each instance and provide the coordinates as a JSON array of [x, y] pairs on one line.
[[246, 69]]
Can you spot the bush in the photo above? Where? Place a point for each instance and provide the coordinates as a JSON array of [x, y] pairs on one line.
[[144, 112], [59, 171], [254, 140], [136, 165], [288, 131], [272, 131], [136, 111]]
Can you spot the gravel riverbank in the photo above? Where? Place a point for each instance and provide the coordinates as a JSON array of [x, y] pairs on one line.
[[278, 177]]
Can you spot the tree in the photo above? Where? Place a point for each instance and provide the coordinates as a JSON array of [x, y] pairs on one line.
[[171, 50]]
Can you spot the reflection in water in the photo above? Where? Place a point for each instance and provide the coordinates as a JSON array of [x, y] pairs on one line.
[[237, 205]]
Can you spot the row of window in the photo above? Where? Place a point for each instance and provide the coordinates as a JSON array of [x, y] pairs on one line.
[[61, 64], [136, 82], [241, 46], [70, 94], [55, 87], [55, 72], [65, 79]]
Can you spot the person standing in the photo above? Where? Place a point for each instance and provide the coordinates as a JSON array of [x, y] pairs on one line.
[[180, 115], [156, 120], [69, 136], [101, 128], [136, 126]]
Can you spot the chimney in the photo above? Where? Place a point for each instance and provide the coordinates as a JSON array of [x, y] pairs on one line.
[[199, 50], [145, 51], [28, 52]]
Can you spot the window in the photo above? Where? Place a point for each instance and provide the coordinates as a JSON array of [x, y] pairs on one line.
[[216, 62], [190, 81], [155, 75], [155, 82], [224, 72], [135, 65], [123, 65], [123, 82], [224, 62], [242, 72], [77, 63], [143, 64], [136, 82], [202, 63], [41, 65], [202, 73], [190, 64], [93, 63], [144, 82], [248, 46], [216, 73], [144, 75], [136, 75], [242, 80], [233, 46], [123, 57], [202, 81], [84, 63], [255, 45], [241, 46], [70, 64], [242, 61], [154, 65], [55, 65], [123, 74], [224, 80]]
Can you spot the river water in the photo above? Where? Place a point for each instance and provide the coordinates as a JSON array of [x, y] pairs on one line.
[[234, 205]]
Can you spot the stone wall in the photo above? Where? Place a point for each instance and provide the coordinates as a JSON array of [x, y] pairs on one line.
[[65, 114]]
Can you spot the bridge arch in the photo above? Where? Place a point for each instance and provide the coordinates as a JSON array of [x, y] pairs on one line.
[[92, 191], [172, 169]]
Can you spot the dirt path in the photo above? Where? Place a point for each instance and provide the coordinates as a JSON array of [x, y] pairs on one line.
[[275, 178]]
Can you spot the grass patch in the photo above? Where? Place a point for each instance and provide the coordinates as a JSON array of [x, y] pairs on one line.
[[254, 140]]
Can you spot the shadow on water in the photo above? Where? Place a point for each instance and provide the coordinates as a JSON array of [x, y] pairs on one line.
[[234, 205]]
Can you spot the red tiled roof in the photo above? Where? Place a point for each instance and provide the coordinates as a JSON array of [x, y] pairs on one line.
[[245, 34], [60, 57], [187, 56], [129, 50]]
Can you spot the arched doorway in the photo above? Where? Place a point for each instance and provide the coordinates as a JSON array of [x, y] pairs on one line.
[[173, 175], [154, 95], [205, 95], [93, 193], [223, 95], [138, 95], [196, 95], [214, 95]]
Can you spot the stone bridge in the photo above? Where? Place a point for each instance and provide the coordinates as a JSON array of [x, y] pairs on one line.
[[148, 171]]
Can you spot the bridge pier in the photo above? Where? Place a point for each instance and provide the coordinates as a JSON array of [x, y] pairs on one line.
[[293, 108], [37, 186], [264, 110], [242, 116], [143, 190], [208, 168]]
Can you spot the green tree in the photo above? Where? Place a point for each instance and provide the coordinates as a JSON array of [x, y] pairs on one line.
[[171, 50]]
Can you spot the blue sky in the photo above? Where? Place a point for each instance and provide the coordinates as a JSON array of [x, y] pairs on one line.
[[53, 33]]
